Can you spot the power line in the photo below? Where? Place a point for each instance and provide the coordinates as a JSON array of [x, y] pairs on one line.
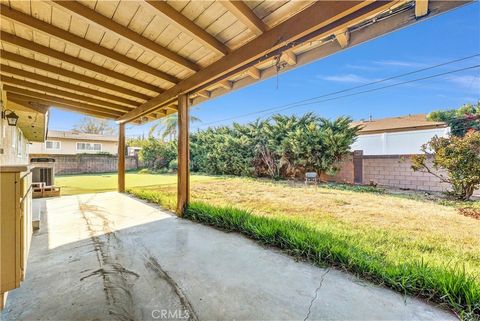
[[314, 99], [384, 87]]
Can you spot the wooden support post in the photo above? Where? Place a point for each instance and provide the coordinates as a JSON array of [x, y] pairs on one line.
[[183, 185], [121, 158]]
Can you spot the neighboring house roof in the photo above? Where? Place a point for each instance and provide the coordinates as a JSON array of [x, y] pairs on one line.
[[80, 136], [398, 124]]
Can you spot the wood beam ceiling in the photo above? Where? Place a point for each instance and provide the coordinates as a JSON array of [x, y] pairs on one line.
[[70, 74], [240, 10], [126, 33], [85, 109], [40, 108], [314, 21], [4, 69], [59, 100], [63, 35], [189, 27], [63, 93], [46, 51]]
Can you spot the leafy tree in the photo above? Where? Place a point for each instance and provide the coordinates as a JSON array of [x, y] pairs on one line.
[[460, 120], [322, 144], [92, 125], [167, 126], [459, 156]]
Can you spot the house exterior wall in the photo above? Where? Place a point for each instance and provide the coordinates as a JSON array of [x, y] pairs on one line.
[[69, 147], [14, 147], [396, 143]]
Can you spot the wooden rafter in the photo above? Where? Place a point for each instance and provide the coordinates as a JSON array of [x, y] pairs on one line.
[[203, 93], [189, 27], [4, 69], [63, 93], [314, 21], [83, 109], [289, 57], [343, 38], [58, 100], [70, 74], [421, 8], [63, 35], [254, 73], [240, 10], [225, 84], [126, 33], [46, 51]]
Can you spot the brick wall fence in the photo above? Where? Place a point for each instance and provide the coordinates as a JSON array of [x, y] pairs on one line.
[[85, 163], [386, 170]]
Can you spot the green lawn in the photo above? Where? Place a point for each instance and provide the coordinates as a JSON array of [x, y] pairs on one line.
[[95, 183]]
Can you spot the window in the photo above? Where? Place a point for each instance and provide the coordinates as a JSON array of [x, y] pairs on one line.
[[52, 145], [89, 147]]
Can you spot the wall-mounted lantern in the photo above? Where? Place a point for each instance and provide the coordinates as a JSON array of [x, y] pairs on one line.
[[10, 116]]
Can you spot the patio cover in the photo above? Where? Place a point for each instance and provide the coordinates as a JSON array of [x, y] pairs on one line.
[[136, 61], [130, 60]]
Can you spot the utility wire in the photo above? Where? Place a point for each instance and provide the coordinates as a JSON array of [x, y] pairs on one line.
[[301, 102], [380, 88]]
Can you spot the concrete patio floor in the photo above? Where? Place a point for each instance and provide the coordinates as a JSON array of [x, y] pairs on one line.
[[111, 257]]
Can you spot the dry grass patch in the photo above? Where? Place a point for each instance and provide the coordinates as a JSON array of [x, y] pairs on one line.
[[400, 229], [415, 246]]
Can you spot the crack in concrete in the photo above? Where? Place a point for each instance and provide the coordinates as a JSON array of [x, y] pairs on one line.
[[316, 294]]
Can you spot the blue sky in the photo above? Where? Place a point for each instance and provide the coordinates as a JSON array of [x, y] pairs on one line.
[[453, 35]]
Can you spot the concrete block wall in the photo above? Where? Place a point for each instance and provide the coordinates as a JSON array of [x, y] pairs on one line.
[[344, 174], [396, 171], [389, 171], [86, 163]]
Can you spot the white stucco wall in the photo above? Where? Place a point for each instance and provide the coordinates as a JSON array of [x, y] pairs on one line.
[[69, 147], [398, 143], [14, 147]]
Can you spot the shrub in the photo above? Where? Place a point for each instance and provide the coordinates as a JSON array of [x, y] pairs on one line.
[[173, 165], [283, 146], [459, 156], [461, 120], [157, 154]]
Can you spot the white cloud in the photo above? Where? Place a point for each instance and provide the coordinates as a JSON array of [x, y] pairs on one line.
[[347, 78], [362, 67], [467, 82], [400, 63]]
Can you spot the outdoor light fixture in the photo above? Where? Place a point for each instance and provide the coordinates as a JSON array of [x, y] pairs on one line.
[[10, 116]]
